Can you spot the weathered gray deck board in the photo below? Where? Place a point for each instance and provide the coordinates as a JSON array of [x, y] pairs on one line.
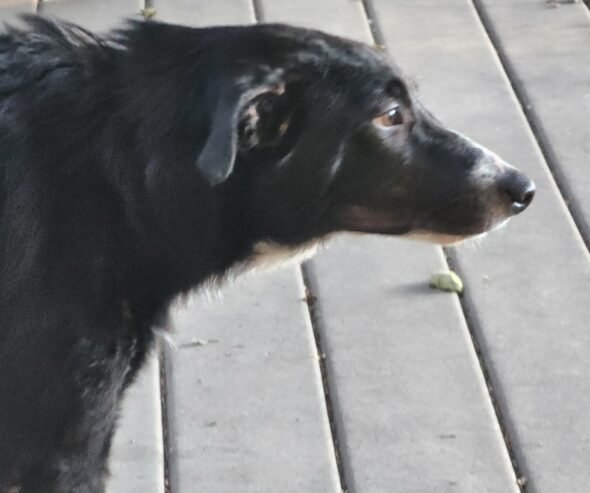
[[549, 53], [411, 405], [343, 18], [10, 10], [246, 408], [137, 458], [246, 413], [528, 284], [411, 402], [204, 12], [97, 15]]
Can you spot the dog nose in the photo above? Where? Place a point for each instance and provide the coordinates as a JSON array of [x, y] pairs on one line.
[[519, 189]]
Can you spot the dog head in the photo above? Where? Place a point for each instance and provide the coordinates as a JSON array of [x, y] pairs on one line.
[[320, 134]]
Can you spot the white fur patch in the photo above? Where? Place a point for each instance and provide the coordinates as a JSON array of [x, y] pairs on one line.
[[488, 168], [267, 254]]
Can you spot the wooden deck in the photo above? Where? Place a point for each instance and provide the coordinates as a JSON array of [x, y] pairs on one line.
[[349, 373]]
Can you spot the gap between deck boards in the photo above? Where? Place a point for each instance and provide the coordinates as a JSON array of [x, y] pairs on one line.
[[310, 299]]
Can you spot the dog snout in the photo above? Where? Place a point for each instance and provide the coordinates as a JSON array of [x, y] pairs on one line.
[[517, 189]]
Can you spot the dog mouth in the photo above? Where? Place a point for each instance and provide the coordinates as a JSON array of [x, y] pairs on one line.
[[365, 219], [371, 220]]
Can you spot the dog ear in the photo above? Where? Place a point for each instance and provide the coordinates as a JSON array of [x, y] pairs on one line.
[[216, 159]]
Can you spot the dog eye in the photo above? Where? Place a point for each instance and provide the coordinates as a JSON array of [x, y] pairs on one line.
[[391, 118]]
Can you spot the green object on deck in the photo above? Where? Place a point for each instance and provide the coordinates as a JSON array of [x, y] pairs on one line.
[[447, 281], [148, 12]]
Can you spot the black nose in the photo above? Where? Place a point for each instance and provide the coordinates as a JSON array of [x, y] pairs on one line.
[[518, 189]]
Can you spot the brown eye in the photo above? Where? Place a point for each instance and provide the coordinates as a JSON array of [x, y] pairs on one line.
[[391, 118]]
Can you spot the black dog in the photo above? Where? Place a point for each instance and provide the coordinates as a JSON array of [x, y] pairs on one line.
[[136, 167]]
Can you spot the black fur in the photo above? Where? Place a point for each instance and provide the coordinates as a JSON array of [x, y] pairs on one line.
[[134, 168]]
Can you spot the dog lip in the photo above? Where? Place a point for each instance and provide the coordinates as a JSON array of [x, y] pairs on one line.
[[394, 230]]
